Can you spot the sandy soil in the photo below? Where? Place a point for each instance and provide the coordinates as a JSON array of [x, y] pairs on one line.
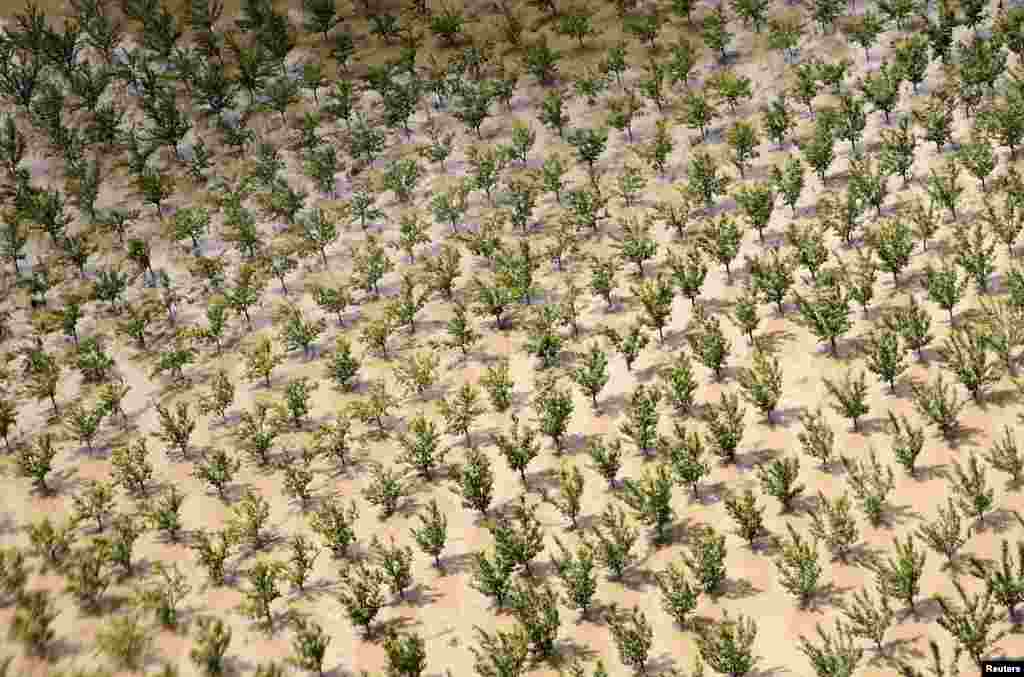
[[444, 608]]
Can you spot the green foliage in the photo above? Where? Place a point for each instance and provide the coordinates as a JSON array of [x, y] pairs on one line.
[[798, 566], [651, 498], [615, 540], [872, 483], [728, 646], [725, 426], [213, 637], [901, 576]]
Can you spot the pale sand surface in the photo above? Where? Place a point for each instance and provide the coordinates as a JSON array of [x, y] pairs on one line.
[[444, 608]]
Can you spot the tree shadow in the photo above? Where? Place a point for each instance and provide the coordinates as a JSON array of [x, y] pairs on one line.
[[964, 435], [457, 564], [752, 459], [787, 416], [828, 595], [1000, 520], [710, 493], [420, 595], [637, 578], [739, 588]]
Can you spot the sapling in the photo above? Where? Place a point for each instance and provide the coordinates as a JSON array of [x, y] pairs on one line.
[[497, 381], [907, 442], [1005, 456], [721, 240], [679, 383], [343, 366], [706, 561], [779, 480], [837, 527], [220, 397], [762, 384], [748, 515], [125, 641], [938, 402], [1004, 582], [798, 566], [688, 272], [36, 461], [970, 486], [576, 571], [396, 563], [519, 538], [493, 578], [872, 483], [554, 409], [745, 315], [633, 637], [629, 345], [708, 341], [901, 576], [728, 645], [685, 455], [536, 609], [975, 253], [361, 594], [884, 355], [164, 513], [212, 642], [334, 523], [387, 488], [570, 493], [837, 654], [771, 276], [432, 535], [32, 621], [678, 597], [850, 397], [94, 502], [826, 313], [972, 623], [164, 595], [13, 575], [374, 409], [87, 572], [615, 540], [642, 418], [475, 480], [460, 411], [213, 550], [502, 654], [966, 350], [725, 426], [418, 374], [249, 520], [309, 645]]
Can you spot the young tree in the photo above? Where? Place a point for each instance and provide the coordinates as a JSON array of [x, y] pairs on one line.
[[850, 397], [780, 480], [938, 402], [747, 514], [386, 489], [651, 498], [36, 461], [708, 342], [970, 486], [872, 485], [633, 637], [834, 524], [762, 384], [576, 571], [615, 540], [503, 654], [642, 415], [901, 576], [725, 426], [798, 567], [728, 646], [212, 642], [972, 625]]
